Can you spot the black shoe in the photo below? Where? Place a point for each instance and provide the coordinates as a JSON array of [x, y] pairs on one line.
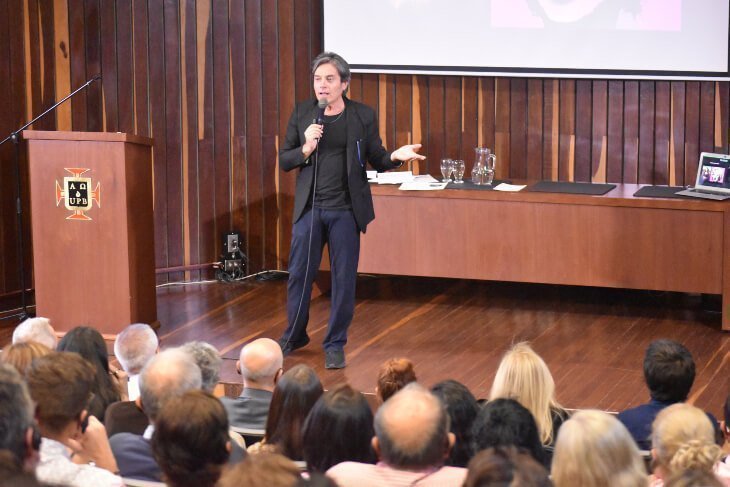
[[288, 347], [334, 359]]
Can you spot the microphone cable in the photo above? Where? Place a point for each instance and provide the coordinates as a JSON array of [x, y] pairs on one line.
[[309, 246]]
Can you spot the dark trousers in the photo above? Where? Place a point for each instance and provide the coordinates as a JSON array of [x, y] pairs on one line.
[[338, 229]]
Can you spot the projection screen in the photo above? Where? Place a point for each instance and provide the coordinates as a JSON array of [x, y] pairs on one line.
[[668, 39]]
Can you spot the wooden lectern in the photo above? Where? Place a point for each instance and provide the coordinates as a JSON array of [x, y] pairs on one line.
[[93, 229]]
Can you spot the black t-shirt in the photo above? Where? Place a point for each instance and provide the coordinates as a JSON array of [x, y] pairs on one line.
[[332, 189]]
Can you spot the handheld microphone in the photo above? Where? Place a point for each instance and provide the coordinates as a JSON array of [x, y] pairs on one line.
[[322, 105]]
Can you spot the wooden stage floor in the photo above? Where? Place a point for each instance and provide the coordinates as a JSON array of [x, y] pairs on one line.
[[592, 339]]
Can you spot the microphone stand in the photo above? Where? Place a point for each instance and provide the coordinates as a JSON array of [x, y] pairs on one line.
[[15, 138]]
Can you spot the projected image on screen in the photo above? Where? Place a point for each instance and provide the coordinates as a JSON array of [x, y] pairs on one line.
[[658, 15], [683, 39]]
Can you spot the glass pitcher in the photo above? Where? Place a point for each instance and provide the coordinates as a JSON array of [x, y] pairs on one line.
[[483, 170]]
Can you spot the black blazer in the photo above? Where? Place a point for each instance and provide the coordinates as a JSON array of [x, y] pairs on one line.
[[363, 145]]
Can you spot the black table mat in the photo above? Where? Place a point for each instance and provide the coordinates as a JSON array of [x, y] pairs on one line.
[[572, 188], [480, 187], [661, 192]]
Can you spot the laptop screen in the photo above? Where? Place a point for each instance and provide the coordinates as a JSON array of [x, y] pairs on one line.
[[714, 172]]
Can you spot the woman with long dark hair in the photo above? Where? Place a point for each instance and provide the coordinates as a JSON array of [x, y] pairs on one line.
[[109, 384]]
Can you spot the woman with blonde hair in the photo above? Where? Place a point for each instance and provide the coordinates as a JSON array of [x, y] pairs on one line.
[[524, 376], [683, 438], [594, 449]]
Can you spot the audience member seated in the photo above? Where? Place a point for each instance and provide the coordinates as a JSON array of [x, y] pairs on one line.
[[37, 330], [294, 396], [266, 469], [21, 355], [724, 468], [393, 376], [133, 348], [523, 375], [191, 442], [19, 440], [506, 422], [593, 448], [109, 385], [669, 372], [462, 407], [208, 360], [683, 439], [260, 364], [693, 478], [169, 374], [412, 443], [338, 428], [506, 466], [61, 385]]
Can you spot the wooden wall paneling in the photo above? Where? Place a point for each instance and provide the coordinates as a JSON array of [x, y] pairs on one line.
[[61, 64], [518, 128], [315, 22], [691, 131], [535, 149], [94, 101], [550, 129], [48, 63], [8, 229], [270, 127], [676, 141], [108, 34], [354, 90], [420, 131], [403, 104], [255, 166], [209, 241], [158, 128], [646, 132], [190, 148], [370, 91], [436, 133], [286, 89], [631, 132], [174, 124], [243, 156], [469, 120], [222, 105], [614, 130], [386, 109], [599, 131], [502, 127], [722, 122], [566, 130], [302, 51], [77, 48], [707, 116], [486, 133], [583, 122], [34, 68], [125, 67], [452, 120], [662, 132], [140, 67]]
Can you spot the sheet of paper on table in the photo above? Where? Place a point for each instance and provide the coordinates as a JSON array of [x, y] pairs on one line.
[[397, 177], [510, 187], [422, 186]]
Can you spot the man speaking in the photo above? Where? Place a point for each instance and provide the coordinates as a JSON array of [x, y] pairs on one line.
[[330, 139]]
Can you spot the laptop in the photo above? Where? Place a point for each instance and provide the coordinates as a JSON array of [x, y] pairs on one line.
[[713, 178]]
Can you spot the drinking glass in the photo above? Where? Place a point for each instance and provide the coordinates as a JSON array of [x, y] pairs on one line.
[[447, 167], [459, 168]]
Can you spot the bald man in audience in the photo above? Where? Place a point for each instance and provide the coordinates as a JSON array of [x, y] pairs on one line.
[[37, 330], [260, 364], [412, 441]]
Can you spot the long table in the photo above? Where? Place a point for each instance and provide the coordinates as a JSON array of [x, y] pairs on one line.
[[615, 240]]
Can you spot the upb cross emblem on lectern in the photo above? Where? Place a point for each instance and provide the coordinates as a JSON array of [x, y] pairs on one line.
[[77, 193]]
